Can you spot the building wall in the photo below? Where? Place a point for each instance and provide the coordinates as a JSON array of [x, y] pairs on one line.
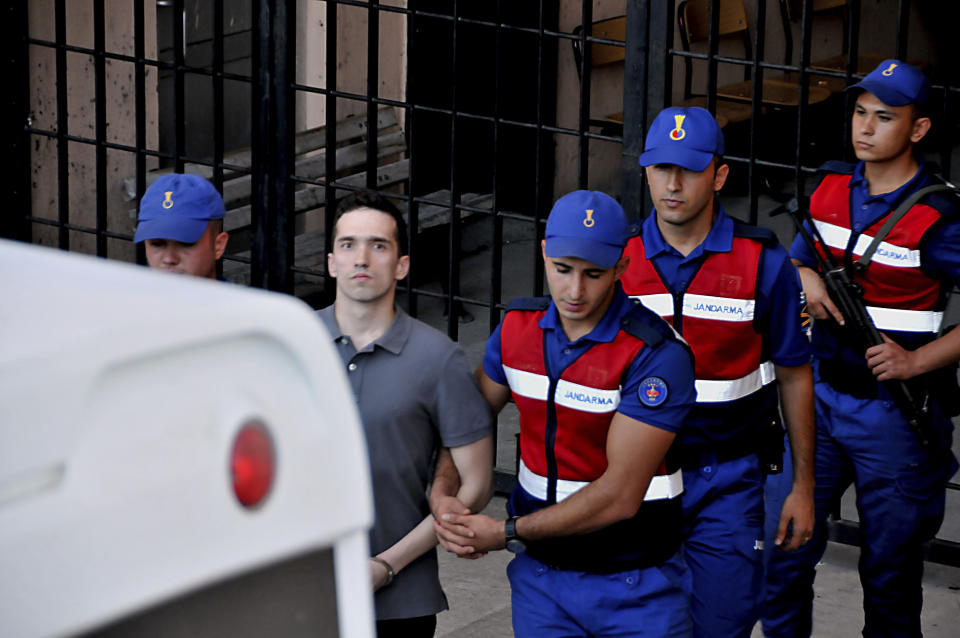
[[120, 115]]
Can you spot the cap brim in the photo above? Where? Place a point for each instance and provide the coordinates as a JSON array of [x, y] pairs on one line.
[[883, 92], [597, 253], [171, 228], [688, 158]]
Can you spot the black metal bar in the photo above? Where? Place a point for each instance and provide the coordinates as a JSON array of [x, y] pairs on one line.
[[373, 90], [807, 31], [218, 100], [540, 202], [586, 46], [330, 161], [179, 96], [945, 146], [453, 254], [660, 67], [282, 115], [903, 28], [16, 156], [756, 108], [633, 186], [140, 110], [63, 148], [853, 54], [496, 233], [713, 48], [260, 145], [413, 207], [100, 123]]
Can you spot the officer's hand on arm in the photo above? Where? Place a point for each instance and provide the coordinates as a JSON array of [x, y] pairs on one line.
[[819, 303], [797, 514], [634, 452]]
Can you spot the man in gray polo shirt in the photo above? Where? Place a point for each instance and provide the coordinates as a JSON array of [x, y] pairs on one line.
[[417, 400]]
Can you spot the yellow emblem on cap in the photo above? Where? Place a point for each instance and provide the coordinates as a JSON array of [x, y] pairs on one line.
[[889, 70], [167, 201], [589, 221], [678, 133]]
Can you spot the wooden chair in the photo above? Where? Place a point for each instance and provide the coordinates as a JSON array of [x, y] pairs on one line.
[[791, 11], [693, 17], [603, 55]]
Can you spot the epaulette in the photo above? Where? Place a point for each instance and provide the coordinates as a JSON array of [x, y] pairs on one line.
[[837, 166], [947, 202], [643, 323], [763, 235], [529, 303]]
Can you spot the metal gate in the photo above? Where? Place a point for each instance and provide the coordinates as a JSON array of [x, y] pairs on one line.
[[472, 116]]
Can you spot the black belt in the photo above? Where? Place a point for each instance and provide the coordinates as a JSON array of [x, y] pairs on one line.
[[855, 380], [692, 457]]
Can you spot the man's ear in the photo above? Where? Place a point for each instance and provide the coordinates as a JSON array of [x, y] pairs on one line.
[[920, 128], [220, 244], [403, 267], [621, 266], [721, 177], [331, 266]]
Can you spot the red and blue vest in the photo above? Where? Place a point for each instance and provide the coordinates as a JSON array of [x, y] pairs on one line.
[[564, 419], [716, 316], [899, 295]]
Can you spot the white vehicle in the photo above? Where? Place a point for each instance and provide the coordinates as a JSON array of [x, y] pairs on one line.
[[178, 457]]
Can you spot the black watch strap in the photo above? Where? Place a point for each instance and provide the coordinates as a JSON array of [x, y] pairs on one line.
[[513, 542]]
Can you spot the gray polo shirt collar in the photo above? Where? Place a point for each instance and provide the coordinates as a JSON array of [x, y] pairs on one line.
[[392, 340]]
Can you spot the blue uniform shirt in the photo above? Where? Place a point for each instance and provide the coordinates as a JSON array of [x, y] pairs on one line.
[[670, 361], [779, 303]]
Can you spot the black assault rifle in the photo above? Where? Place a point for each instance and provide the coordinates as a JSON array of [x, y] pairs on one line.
[[847, 295]]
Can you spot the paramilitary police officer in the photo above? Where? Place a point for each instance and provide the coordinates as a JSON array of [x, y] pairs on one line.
[[731, 291], [602, 385], [861, 435]]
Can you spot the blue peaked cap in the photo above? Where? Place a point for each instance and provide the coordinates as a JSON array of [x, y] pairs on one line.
[[687, 137]]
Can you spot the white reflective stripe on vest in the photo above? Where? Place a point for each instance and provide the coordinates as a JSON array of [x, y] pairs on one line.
[[713, 390], [905, 320], [886, 254], [661, 487], [569, 395], [718, 308], [527, 384], [660, 303]]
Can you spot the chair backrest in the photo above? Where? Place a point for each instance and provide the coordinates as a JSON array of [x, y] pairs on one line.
[[602, 54], [795, 7], [693, 17], [792, 10]]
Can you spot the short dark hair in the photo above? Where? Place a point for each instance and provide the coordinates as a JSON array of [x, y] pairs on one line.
[[375, 201]]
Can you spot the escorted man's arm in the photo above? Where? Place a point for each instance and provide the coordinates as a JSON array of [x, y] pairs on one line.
[[796, 391], [472, 464]]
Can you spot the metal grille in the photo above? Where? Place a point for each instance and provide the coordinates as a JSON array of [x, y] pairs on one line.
[[478, 146]]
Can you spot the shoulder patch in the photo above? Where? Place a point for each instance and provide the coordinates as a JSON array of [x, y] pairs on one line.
[[529, 304], [763, 235], [836, 166], [652, 392]]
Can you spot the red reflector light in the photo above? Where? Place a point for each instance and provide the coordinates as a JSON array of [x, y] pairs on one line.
[[252, 464]]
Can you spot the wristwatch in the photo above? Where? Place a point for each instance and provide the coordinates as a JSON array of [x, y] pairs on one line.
[[514, 544]]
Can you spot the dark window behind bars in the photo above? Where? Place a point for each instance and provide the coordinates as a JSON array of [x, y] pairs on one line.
[[474, 152]]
